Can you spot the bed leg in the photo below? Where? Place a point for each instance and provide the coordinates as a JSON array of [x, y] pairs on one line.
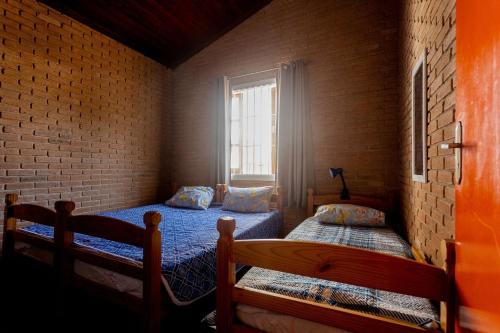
[[9, 226], [63, 263], [226, 277], [151, 293]]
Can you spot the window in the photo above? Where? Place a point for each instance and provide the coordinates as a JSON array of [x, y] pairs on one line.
[[253, 124], [419, 121]]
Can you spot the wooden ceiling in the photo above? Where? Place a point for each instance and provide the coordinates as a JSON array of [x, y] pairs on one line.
[[168, 31]]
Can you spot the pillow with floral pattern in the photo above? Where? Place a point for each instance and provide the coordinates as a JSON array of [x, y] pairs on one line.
[[350, 215], [248, 200], [195, 197]]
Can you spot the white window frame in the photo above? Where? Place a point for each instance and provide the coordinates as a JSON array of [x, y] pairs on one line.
[[421, 64], [250, 84], [243, 82], [253, 177]]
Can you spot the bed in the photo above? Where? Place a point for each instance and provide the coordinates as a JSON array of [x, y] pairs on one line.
[[331, 279], [178, 247]]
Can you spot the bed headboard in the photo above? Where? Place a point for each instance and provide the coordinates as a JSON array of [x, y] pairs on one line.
[[385, 205], [276, 199]]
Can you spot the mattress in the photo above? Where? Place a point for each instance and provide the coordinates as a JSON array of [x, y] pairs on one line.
[[414, 310], [105, 277], [189, 239], [273, 322]]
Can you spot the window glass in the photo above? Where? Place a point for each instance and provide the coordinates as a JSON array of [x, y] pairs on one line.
[[253, 131]]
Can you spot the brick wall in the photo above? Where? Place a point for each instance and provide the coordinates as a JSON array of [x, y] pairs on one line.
[[84, 118], [428, 209], [80, 114], [351, 53]]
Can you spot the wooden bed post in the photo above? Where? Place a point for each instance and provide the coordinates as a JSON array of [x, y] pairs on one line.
[[220, 191], [310, 202], [226, 276], [9, 225], [449, 309], [63, 238], [217, 193], [63, 263], [280, 200], [173, 188], [151, 285]]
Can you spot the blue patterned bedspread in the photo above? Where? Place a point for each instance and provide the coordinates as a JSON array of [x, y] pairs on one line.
[[189, 240], [416, 310]]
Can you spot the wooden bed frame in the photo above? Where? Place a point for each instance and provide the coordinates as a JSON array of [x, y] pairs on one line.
[[155, 303], [329, 262], [386, 205], [66, 251]]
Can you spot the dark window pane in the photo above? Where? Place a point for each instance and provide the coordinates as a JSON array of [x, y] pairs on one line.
[[418, 108]]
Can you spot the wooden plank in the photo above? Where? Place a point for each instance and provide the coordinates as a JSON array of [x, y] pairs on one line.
[[151, 287], [32, 213], [34, 239], [107, 228], [278, 198], [220, 192], [344, 264], [63, 261], [226, 275], [9, 226], [346, 319]]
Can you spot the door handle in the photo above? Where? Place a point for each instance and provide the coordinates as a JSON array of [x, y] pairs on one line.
[[457, 147], [454, 145]]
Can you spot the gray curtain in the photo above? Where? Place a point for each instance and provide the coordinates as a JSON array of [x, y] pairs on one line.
[[295, 168], [218, 170]]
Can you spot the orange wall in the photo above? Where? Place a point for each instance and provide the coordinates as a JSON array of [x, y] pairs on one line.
[[478, 197]]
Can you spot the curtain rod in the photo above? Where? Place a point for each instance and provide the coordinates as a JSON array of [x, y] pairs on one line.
[[263, 71]]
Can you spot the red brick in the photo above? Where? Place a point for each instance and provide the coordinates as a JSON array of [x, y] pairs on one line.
[[445, 176], [445, 207]]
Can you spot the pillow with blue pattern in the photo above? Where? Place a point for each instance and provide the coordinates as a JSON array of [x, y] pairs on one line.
[[195, 197], [347, 214], [248, 200]]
